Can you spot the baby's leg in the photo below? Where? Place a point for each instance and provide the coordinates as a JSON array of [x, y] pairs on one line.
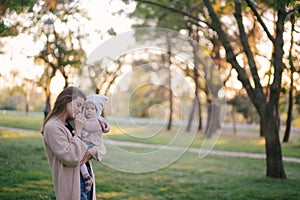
[[88, 180], [83, 170]]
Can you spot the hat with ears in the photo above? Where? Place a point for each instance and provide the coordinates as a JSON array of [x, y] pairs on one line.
[[98, 100]]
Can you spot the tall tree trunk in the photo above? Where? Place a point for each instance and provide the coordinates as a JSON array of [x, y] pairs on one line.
[[290, 111], [270, 126], [275, 167], [261, 132], [27, 98], [208, 131], [199, 114], [233, 119], [192, 112], [194, 43], [292, 69], [48, 94], [171, 109], [197, 87], [168, 60]]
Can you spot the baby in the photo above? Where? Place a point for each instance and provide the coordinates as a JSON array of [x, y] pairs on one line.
[[94, 126]]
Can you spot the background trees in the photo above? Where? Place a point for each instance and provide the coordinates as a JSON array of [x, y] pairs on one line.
[[61, 23], [242, 53]]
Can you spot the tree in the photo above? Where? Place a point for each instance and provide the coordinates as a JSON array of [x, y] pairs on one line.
[[168, 62], [266, 106], [168, 18], [63, 51]]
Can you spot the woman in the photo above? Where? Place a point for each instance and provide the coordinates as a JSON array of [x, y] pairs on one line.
[[64, 147]]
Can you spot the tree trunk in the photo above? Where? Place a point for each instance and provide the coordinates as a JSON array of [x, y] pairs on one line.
[[233, 120], [171, 109], [200, 116], [194, 43], [208, 131], [47, 107], [47, 103], [292, 69], [261, 133], [191, 116], [27, 97], [270, 127], [290, 111], [169, 63]]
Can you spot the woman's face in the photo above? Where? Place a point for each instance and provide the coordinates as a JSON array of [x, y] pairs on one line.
[[74, 107]]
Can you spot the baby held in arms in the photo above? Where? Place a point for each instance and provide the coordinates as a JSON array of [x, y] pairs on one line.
[[94, 127]]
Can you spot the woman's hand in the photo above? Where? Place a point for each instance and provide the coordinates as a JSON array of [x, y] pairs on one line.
[[87, 156], [79, 124]]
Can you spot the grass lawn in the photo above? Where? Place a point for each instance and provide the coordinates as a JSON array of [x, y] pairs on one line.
[[245, 140], [21, 121], [25, 174]]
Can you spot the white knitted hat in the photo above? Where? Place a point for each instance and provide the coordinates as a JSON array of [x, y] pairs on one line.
[[98, 100]]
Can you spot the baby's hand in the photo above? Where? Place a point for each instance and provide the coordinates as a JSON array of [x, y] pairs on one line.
[[104, 125], [87, 156]]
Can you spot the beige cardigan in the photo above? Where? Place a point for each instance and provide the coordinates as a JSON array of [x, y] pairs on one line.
[[64, 154]]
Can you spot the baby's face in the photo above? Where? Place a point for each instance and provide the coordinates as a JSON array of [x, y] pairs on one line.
[[90, 110]]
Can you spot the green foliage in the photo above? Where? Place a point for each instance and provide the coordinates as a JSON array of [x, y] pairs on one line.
[[276, 4], [243, 105], [9, 6], [144, 98], [15, 5], [7, 31], [153, 15]]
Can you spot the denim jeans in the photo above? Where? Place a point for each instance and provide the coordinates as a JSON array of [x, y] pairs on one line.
[[84, 195]]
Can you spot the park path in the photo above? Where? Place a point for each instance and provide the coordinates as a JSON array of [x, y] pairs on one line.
[[173, 148]]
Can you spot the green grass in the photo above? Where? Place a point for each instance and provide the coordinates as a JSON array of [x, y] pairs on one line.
[[21, 121], [24, 169], [25, 174], [246, 140]]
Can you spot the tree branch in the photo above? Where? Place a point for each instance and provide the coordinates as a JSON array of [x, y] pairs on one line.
[[195, 19], [277, 56], [250, 4], [230, 57], [245, 43]]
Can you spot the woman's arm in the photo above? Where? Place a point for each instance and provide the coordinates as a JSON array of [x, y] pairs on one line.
[[69, 150]]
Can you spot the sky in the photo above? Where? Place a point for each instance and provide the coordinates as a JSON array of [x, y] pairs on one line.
[[19, 50]]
